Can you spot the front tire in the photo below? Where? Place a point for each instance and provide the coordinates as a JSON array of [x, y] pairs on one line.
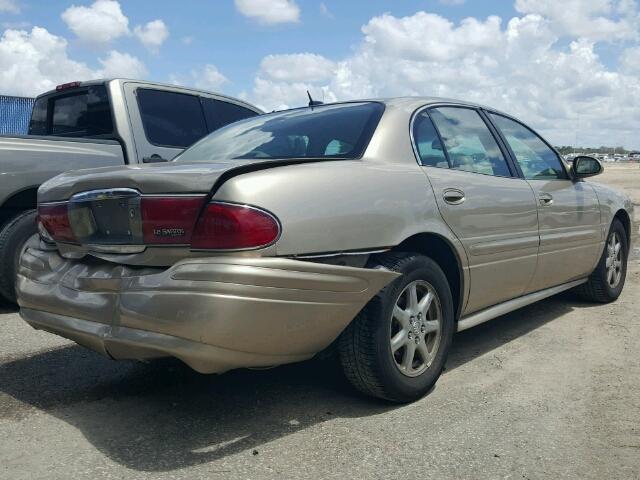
[[606, 282], [397, 346], [14, 238]]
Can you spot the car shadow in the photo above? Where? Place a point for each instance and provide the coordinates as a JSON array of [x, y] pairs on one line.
[[163, 416], [6, 307]]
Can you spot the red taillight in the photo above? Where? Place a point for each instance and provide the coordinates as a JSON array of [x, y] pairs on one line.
[[227, 226], [169, 220], [55, 220], [67, 86]]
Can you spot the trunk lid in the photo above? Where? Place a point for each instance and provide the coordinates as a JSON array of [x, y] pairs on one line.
[[157, 178]]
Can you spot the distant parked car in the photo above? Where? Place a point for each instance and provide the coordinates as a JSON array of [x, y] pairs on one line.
[[377, 227], [93, 124]]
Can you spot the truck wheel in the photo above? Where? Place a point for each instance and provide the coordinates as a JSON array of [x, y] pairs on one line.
[[15, 237], [396, 348], [607, 280]]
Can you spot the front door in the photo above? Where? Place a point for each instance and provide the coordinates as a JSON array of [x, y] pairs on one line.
[[492, 212], [571, 239]]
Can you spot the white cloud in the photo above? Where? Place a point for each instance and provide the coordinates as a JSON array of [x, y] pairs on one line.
[[324, 10], [118, 64], [42, 58], [100, 23], [630, 60], [297, 67], [269, 12], [207, 78], [152, 35], [523, 66], [188, 40], [586, 18], [9, 6]]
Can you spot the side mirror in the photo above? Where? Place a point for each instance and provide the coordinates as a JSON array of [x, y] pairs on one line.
[[584, 166]]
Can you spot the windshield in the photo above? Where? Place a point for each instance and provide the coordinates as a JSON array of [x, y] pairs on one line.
[[326, 131]]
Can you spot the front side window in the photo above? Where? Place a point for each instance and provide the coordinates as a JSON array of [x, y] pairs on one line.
[[469, 142], [328, 131], [171, 119], [219, 113], [536, 159], [430, 151]]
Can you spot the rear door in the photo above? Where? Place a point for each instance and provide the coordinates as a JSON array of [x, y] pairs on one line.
[[568, 211], [490, 209]]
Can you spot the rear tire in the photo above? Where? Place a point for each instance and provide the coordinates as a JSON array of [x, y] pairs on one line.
[[13, 238], [396, 348], [606, 282]]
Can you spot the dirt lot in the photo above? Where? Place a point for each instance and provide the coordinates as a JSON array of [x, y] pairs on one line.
[[549, 391]]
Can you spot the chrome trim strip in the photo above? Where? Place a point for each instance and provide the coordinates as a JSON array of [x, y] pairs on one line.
[[76, 198], [511, 305], [104, 194], [340, 254], [122, 249]]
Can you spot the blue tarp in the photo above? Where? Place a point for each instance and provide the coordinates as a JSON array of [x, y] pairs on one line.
[[15, 113]]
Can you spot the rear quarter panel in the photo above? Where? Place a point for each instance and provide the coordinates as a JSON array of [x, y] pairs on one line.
[[344, 205], [611, 201]]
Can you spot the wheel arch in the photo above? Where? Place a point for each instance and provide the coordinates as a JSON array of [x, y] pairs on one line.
[[20, 201], [440, 250], [624, 218]]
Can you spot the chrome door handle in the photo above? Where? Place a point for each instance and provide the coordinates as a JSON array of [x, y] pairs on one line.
[[546, 199], [453, 196]]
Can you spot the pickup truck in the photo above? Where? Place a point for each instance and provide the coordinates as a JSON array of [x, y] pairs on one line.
[[93, 124]]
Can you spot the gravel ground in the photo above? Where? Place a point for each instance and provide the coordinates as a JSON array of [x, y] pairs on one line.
[[549, 391]]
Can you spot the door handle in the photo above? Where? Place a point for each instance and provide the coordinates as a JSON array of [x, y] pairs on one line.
[[546, 199], [453, 196], [155, 158]]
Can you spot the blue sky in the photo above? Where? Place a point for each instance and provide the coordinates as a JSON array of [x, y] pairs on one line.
[[570, 68], [234, 43]]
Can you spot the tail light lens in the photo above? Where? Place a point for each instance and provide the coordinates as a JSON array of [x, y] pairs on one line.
[[55, 220], [169, 220], [228, 226]]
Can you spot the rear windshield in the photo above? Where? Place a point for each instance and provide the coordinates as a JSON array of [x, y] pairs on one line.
[[327, 131], [84, 112]]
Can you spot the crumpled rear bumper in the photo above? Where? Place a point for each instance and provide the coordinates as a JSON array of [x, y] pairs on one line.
[[215, 313]]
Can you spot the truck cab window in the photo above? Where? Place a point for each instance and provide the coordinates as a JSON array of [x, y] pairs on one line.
[[219, 113], [171, 119], [82, 113]]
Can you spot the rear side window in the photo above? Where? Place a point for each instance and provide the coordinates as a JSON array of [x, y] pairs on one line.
[[430, 151], [171, 119], [82, 113], [469, 142], [219, 113], [536, 159]]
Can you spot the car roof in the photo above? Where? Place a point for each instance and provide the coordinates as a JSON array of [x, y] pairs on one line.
[[408, 102]]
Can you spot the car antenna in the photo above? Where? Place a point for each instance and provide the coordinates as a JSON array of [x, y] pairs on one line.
[[312, 102]]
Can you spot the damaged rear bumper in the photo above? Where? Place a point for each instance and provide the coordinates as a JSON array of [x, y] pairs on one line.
[[215, 314]]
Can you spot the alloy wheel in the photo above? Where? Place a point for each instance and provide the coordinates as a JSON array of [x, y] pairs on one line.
[[416, 325]]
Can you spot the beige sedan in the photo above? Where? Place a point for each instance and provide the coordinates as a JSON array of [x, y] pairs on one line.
[[373, 228]]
